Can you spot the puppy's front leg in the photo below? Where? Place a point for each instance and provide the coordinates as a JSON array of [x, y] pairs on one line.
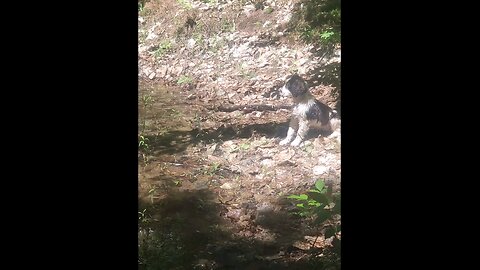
[[301, 134], [292, 129]]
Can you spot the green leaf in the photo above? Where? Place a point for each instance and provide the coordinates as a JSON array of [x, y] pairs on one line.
[[326, 35], [302, 197], [320, 184], [314, 203], [320, 197], [337, 208], [323, 216], [244, 146], [300, 205]]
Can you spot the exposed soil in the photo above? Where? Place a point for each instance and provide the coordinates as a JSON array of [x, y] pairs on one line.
[[213, 182]]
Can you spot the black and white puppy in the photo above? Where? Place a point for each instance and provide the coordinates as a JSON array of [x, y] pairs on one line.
[[307, 113]]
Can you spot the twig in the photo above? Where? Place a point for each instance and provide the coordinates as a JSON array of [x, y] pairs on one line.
[[314, 242], [251, 108], [175, 164]]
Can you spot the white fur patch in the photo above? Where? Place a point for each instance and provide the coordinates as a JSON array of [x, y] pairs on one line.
[[301, 109], [284, 92]]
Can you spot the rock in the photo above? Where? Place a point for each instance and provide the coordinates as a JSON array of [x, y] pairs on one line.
[[162, 71], [319, 170], [248, 9], [211, 149], [302, 61], [226, 186], [151, 36], [267, 162], [191, 43], [285, 155], [142, 48], [263, 64], [234, 214], [152, 75], [177, 70]]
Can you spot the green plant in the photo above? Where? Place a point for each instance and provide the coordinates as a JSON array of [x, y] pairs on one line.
[[142, 36], [199, 39], [185, 4], [147, 103], [227, 26], [143, 143], [164, 47], [152, 193], [184, 80], [142, 216], [212, 169], [216, 43], [244, 146], [143, 147], [319, 22], [174, 113], [326, 35], [309, 149], [245, 72], [321, 204]]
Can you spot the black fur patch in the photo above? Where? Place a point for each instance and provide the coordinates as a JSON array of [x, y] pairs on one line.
[[319, 112], [296, 85]]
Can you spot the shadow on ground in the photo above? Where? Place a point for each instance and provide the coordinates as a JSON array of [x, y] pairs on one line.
[[175, 141], [186, 230]]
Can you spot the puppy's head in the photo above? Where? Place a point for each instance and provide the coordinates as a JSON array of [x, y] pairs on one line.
[[294, 87]]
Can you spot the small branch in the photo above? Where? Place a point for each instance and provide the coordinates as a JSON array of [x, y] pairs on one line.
[[251, 108], [314, 242]]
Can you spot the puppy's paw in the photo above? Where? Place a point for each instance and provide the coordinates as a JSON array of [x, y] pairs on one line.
[[284, 141], [296, 143]]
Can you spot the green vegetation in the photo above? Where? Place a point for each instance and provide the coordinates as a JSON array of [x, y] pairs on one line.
[[323, 206], [212, 169], [164, 47], [319, 22], [185, 4], [184, 80], [143, 141]]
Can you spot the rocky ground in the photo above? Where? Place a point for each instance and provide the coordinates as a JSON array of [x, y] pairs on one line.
[[213, 181]]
